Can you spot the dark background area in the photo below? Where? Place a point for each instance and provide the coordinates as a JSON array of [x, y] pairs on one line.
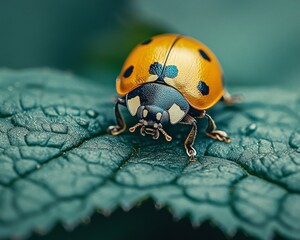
[[70, 35], [257, 42], [143, 222]]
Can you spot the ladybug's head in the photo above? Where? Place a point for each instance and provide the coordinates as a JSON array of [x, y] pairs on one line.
[[151, 120], [156, 105]]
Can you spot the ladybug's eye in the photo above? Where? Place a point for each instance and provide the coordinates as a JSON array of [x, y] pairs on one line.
[[158, 116], [145, 113], [204, 55]]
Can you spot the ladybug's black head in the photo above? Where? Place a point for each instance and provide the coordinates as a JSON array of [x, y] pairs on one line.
[[156, 105], [152, 119]]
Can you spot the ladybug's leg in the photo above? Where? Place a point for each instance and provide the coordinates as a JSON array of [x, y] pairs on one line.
[[188, 144], [211, 130], [229, 99], [121, 126]]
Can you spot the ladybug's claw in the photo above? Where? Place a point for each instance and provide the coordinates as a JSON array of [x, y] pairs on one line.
[[212, 131], [192, 159], [191, 152], [115, 130], [220, 135]]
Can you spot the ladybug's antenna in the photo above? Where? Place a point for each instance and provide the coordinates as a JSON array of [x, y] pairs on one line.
[[167, 136], [132, 129]]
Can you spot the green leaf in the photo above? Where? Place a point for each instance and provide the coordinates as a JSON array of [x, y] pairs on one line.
[[57, 163]]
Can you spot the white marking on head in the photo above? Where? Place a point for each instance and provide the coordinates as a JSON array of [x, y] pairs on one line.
[[152, 78], [158, 116], [155, 125], [175, 113], [133, 105], [145, 113]]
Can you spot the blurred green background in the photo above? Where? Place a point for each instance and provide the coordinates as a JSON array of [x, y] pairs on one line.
[[257, 42]]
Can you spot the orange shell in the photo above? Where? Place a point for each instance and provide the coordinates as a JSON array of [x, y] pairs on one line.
[[197, 67]]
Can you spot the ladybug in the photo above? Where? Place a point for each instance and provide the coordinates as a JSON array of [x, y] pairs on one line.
[[171, 79]]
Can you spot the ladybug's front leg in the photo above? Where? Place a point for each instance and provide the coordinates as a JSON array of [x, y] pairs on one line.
[[212, 132], [188, 144], [121, 126]]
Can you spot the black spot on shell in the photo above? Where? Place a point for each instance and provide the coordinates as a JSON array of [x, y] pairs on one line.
[[155, 69], [147, 41], [171, 71], [204, 55], [203, 88], [128, 72]]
